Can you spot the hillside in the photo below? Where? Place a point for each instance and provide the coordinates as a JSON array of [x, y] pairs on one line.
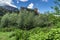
[[28, 23]]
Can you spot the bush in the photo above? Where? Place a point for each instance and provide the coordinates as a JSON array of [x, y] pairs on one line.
[[4, 20], [52, 34], [28, 20], [10, 29], [45, 20], [9, 20], [41, 20], [25, 20], [22, 35], [0, 19]]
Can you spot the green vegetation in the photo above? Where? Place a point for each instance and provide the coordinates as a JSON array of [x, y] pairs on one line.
[[27, 26], [5, 36]]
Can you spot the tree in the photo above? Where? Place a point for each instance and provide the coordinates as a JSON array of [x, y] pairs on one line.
[[57, 6]]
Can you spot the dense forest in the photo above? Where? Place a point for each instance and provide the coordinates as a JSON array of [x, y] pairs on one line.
[[28, 24]]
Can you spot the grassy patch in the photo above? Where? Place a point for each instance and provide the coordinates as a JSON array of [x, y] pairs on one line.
[[5, 36]]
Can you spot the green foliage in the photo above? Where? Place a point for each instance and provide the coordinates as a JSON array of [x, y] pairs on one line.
[[5, 36], [23, 20], [6, 29], [40, 20], [40, 34], [4, 20], [27, 20], [9, 20], [28, 26], [33, 34], [57, 7], [45, 20], [21, 35], [0, 19]]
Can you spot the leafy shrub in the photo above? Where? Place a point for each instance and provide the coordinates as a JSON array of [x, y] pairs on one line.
[[21, 35], [41, 20], [9, 20], [28, 20], [52, 19], [6, 29], [25, 20], [0, 19], [45, 20], [52, 34], [4, 20]]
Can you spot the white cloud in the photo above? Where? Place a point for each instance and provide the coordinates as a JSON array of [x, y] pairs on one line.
[[21, 1], [45, 0], [30, 6], [2, 1], [10, 4], [24, 0], [6, 2]]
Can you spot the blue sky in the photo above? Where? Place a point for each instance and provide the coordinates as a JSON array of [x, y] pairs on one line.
[[42, 5]]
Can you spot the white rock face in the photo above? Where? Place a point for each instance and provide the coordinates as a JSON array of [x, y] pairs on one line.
[[6, 1]]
